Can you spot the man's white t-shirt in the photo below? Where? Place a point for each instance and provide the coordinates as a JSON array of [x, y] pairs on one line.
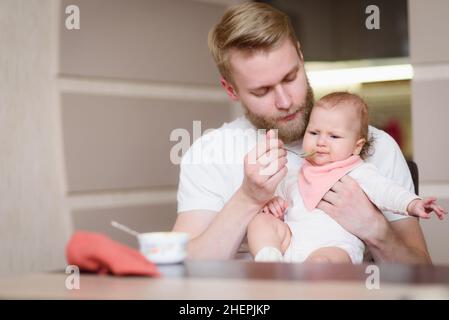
[[212, 169]]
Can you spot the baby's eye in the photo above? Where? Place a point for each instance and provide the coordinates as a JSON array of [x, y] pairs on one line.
[[333, 136], [313, 133]]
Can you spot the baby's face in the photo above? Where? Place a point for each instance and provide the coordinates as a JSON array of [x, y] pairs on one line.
[[333, 133]]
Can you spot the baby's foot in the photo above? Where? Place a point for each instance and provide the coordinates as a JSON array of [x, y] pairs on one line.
[[268, 254]]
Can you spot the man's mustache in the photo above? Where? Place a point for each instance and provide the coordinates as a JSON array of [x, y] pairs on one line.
[[280, 117]]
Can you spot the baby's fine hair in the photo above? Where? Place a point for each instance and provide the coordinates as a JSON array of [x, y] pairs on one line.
[[336, 98]]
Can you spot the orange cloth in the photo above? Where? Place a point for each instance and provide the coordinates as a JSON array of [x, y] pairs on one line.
[[315, 181], [97, 253]]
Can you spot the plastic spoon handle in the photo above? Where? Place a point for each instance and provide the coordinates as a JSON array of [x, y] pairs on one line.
[[302, 155], [121, 227]]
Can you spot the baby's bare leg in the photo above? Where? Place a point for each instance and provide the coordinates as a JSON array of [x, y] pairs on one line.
[[267, 231], [329, 255]]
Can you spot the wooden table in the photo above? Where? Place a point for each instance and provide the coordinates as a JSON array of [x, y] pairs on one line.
[[225, 280]]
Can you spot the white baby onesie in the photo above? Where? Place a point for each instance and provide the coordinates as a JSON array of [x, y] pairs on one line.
[[315, 229]]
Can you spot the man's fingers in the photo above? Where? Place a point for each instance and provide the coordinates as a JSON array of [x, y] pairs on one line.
[[272, 135], [267, 143], [261, 148], [270, 145], [273, 167], [326, 207], [345, 186], [280, 152], [330, 197], [274, 180], [346, 179], [271, 155], [337, 186]]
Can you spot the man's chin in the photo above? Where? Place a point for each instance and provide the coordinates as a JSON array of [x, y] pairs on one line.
[[290, 132], [287, 131], [289, 137]]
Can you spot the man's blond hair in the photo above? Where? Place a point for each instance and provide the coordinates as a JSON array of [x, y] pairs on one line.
[[248, 27]]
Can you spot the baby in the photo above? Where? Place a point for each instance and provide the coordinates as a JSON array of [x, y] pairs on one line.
[[336, 138]]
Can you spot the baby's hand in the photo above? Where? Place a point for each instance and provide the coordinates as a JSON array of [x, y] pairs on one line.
[[423, 208], [276, 206]]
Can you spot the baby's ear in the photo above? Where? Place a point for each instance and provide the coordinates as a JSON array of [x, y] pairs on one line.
[[358, 146]]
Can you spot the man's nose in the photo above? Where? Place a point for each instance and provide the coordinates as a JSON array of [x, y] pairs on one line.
[[283, 100]]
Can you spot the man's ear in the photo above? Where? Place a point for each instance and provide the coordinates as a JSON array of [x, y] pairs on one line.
[[229, 89], [299, 51], [359, 145]]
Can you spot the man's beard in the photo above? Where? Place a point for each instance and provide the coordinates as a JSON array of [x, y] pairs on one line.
[[292, 130]]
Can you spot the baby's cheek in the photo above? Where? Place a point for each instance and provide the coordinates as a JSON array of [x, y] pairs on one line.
[[307, 143], [339, 152], [334, 153]]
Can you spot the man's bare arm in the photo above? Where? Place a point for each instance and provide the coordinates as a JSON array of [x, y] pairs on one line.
[[217, 235], [400, 241]]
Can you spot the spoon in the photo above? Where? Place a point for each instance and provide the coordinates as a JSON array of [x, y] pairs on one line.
[[124, 228], [303, 154]]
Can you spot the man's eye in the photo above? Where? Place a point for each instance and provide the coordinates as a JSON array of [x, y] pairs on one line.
[[290, 78], [260, 93], [313, 133]]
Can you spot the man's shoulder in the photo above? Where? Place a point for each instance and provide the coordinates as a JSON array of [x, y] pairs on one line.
[[214, 144], [384, 146], [235, 127], [381, 138], [387, 157], [240, 123]]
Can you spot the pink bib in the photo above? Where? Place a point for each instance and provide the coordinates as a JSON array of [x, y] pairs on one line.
[[315, 181]]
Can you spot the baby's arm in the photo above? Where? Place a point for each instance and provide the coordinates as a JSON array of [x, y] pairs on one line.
[[423, 207], [387, 195], [383, 192]]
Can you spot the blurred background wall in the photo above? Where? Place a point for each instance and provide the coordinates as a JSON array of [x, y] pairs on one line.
[[86, 117], [34, 222], [429, 52], [86, 114], [133, 72]]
